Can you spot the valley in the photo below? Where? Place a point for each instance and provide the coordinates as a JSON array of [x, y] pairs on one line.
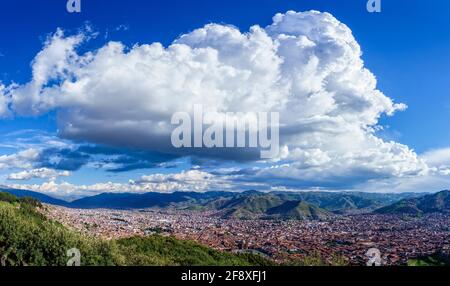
[[345, 238], [302, 228]]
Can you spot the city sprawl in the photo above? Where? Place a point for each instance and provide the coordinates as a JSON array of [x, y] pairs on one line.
[[399, 238]]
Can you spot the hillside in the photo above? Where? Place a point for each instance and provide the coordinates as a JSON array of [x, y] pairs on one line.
[[298, 210], [301, 205], [252, 205], [435, 203], [35, 195], [245, 205], [347, 202], [249, 206], [28, 238]]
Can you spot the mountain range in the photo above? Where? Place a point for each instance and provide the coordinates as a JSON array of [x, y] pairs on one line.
[[434, 203], [35, 195], [253, 204]]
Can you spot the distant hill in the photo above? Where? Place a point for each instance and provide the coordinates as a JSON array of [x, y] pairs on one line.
[[348, 202], [147, 200], [435, 203], [127, 201], [298, 210], [35, 195], [245, 205], [252, 205], [249, 205]]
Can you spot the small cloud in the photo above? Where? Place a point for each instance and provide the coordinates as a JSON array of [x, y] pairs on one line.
[[122, 28], [42, 173]]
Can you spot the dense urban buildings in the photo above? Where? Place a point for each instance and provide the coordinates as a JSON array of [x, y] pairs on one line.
[[398, 238]]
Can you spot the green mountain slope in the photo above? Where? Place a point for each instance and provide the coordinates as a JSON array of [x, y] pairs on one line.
[[246, 204], [268, 206], [255, 204], [249, 206], [298, 210], [435, 203], [28, 238]]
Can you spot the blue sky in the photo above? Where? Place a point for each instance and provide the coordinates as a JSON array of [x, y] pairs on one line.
[[406, 47]]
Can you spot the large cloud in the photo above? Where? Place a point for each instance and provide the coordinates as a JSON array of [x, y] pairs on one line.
[[307, 66]]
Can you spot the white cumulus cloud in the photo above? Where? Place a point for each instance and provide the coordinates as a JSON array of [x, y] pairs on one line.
[[41, 173], [23, 159], [307, 66]]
